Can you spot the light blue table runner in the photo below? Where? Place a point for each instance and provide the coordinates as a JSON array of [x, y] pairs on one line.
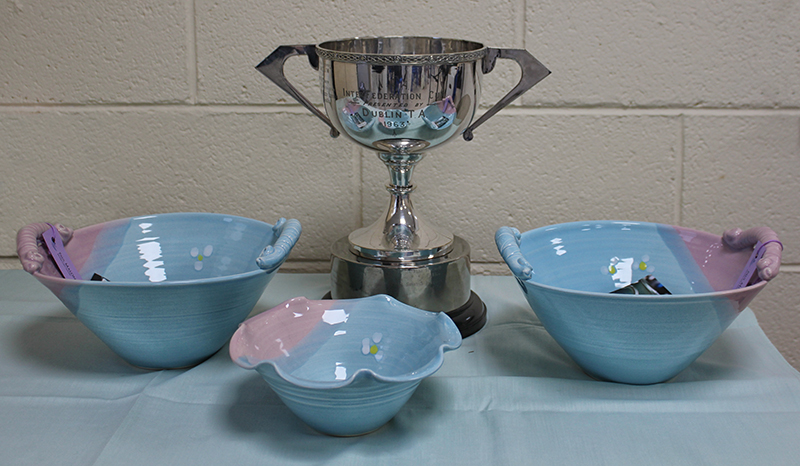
[[508, 396]]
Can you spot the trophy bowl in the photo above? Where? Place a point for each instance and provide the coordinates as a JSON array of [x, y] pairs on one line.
[[401, 96]]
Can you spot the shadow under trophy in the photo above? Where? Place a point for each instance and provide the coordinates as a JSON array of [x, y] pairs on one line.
[[401, 96]]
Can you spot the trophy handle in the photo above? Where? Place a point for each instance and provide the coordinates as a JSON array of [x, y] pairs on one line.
[[533, 71], [272, 68]]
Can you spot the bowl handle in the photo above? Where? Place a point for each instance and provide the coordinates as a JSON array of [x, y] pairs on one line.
[[770, 263], [30, 249], [507, 240], [273, 256]]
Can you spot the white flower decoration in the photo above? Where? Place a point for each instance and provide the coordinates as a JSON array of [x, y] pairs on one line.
[[370, 346], [196, 253]]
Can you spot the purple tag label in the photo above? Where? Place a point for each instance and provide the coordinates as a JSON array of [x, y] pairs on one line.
[[56, 247], [750, 267]]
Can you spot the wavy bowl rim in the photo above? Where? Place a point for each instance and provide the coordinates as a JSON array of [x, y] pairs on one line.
[[429, 368]]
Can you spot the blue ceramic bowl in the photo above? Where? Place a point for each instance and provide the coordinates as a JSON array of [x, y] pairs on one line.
[[345, 367], [179, 284], [567, 272]]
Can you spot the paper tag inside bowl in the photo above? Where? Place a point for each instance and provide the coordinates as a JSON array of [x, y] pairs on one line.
[[750, 267], [54, 244]]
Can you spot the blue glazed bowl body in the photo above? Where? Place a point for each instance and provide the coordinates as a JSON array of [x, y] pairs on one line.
[[179, 284], [345, 367], [358, 408], [567, 272]]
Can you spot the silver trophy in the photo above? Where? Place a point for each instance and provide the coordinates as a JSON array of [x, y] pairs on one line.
[[401, 96]]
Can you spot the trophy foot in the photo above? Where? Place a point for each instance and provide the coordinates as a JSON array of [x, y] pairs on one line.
[[470, 317], [440, 284]]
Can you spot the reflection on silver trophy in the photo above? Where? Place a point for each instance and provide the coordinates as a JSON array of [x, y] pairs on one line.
[[401, 96]]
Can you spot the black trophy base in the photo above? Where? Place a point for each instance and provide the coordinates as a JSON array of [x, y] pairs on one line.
[[470, 317]]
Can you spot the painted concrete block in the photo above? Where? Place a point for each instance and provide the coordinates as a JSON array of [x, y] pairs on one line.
[[743, 171], [81, 167], [94, 52], [706, 53]]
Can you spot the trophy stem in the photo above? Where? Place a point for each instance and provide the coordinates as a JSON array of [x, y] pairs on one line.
[[401, 167], [400, 224], [400, 235]]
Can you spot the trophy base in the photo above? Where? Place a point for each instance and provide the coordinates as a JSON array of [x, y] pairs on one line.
[[441, 284], [470, 317]]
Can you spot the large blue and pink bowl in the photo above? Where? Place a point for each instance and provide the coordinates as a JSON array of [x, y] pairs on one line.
[[568, 271], [178, 284]]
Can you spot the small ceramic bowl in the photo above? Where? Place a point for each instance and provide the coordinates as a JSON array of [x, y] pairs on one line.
[[345, 367], [178, 284], [568, 271]]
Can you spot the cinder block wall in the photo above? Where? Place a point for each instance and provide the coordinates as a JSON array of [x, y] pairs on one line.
[[684, 112]]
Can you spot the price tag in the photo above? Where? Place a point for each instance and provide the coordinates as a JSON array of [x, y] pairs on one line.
[[56, 247], [750, 267]]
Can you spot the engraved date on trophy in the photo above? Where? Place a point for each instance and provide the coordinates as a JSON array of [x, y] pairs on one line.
[[360, 117]]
